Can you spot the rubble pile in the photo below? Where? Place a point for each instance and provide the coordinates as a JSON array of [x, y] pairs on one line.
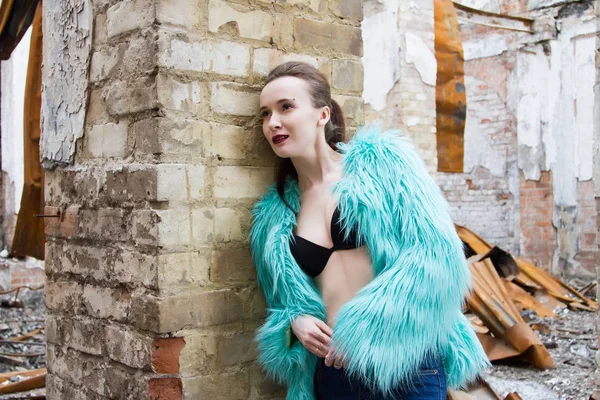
[[528, 320], [22, 345]]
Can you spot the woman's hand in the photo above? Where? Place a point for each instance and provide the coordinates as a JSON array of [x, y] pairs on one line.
[[338, 361], [314, 334]]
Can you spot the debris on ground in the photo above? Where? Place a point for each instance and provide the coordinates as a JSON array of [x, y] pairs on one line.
[[22, 345], [538, 330]]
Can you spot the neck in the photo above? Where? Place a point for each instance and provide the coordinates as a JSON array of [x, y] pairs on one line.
[[319, 166]]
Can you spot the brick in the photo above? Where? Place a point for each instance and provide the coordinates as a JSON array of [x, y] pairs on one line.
[[128, 347], [144, 138], [172, 182], [231, 142], [235, 99], [122, 98], [328, 37], [347, 75], [64, 226], [139, 56], [183, 142], [266, 59], [222, 386], [144, 227], [230, 225], [232, 265], [249, 24], [134, 268], [174, 229], [97, 113], [190, 310], [84, 335], [123, 383], [185, 270], [165, 354], [348, 9], [180, 96], [220, 57], [236, 348], [202, 225], [106, 303], [131, 183], [63, 296], [180, 182], [165, 389], [129, 15], [315, 5], [103, 224], [178, 12], [352, 107], [65, 364], [103, 64], [234, 182]]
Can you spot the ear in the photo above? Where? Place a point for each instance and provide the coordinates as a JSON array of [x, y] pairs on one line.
[[324, 116]]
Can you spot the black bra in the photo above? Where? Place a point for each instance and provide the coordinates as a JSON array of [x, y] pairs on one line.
[[311, 257]]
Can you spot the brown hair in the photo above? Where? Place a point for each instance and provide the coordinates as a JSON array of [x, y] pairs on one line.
[[320, 94]]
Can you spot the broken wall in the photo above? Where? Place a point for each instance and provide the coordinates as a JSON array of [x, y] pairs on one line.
[[528, 180], [400, 70], [151, 291]]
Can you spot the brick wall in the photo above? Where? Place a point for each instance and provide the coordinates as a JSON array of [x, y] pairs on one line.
[[538, 235], [151, 292], [483, 197]]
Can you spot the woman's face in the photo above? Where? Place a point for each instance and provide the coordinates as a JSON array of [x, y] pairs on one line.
[[290, 122]]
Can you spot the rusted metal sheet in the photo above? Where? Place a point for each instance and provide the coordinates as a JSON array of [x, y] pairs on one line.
[[525, 301], [556, 287], [451, 96], [491, 302], [29, 238]]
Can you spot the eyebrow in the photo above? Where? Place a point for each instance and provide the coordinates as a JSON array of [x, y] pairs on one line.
[[279, 102]]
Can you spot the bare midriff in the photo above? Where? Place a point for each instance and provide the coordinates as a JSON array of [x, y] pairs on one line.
[[346, 272]]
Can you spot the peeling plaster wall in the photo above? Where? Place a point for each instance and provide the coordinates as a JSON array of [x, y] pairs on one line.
[[66, 55], [530, 124], [553, 90], [380, 36], [14, 74], [399, 89]]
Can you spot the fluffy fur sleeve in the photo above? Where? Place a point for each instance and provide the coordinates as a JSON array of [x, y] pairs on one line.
[[414, 303], [289, 293]]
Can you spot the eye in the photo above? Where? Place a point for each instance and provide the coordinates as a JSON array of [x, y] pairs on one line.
[[264, 114], [286, 106]]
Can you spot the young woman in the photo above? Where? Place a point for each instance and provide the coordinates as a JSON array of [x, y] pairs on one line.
[[360, 264]]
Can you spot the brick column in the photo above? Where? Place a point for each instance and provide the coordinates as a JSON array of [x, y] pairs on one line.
[[151, 292]]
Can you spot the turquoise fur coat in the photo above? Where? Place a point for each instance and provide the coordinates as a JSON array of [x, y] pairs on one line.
[[414, 303]]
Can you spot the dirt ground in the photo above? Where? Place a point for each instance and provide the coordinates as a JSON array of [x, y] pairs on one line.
[[572, 342]]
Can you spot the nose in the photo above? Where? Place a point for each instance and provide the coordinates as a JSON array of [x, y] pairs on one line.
[[274, 122]]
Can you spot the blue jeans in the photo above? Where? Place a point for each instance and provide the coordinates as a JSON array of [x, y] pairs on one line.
[[333, 384]]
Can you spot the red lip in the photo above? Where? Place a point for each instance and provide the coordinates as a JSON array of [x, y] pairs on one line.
[[277, 139]]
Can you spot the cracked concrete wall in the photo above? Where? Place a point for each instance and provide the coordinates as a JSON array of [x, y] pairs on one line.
[[14, 74]]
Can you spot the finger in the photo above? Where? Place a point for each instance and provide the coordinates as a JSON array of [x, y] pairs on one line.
[[325, 328], [329, 358], [338, 362], [321, 338]]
